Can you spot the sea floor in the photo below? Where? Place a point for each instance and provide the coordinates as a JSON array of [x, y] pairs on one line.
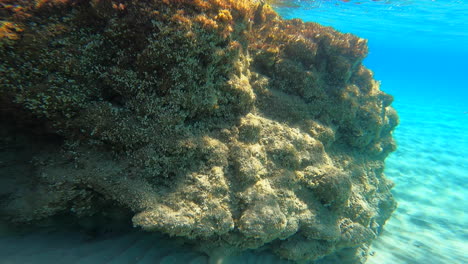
[[430, 171], [430, 226]]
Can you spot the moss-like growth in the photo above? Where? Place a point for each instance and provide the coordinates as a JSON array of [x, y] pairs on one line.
[[213, 120]]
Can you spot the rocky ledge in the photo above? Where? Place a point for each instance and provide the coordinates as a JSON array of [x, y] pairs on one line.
[[216, 121]]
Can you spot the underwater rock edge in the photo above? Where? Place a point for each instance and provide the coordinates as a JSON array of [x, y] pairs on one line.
[[211, 120]]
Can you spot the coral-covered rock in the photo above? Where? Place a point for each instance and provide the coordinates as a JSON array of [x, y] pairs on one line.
[[213, 120]]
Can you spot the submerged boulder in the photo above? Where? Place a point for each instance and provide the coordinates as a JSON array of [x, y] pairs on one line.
[[212, 120]]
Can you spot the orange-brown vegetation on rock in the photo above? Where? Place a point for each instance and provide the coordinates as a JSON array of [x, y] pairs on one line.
[[9, 30], [180, 18], [42, 3], [206, 22]]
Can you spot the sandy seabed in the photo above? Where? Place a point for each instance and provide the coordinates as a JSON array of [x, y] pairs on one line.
[[430, 226], [430, 170]]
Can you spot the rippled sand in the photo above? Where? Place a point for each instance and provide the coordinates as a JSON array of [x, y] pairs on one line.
[[430, 169]]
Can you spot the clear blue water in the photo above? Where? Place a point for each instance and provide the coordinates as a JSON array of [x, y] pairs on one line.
[[416, 47], [418, 50]]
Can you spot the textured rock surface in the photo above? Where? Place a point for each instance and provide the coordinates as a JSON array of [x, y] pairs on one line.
[[211, 120]]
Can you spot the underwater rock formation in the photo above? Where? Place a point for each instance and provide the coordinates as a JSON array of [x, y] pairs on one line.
[[211, 120]]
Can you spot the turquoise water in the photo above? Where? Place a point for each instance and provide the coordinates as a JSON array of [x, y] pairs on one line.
[[429, 169], [418, 50], [416, 47]]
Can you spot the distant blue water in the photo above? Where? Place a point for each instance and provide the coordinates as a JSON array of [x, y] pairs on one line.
[[418, 48], [419, 51]]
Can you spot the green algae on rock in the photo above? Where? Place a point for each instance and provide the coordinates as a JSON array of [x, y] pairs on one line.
[[213, 120]]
